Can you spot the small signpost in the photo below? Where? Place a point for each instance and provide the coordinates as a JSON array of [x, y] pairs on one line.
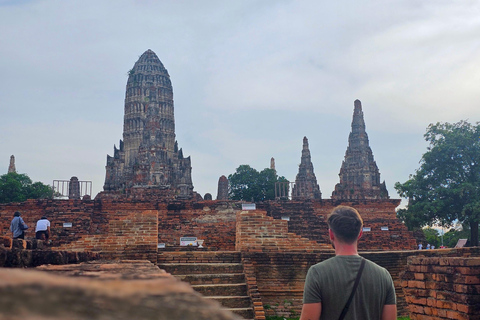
[[188, 241], [461, 243]]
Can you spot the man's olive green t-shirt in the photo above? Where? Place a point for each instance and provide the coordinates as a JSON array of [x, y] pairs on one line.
[[331, 282]]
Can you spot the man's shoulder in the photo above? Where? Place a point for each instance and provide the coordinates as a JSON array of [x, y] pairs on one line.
[[336, 260], [374, 265]]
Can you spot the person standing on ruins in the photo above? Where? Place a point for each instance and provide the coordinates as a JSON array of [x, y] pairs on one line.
[[330, 284], [18, 226], [42, 230]]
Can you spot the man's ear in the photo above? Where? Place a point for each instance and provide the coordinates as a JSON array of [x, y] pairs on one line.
[[331, 234], [360, 234]]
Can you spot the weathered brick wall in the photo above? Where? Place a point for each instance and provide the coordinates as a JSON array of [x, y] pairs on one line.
[[308, 219], [212, 221], [442, 287], [128, 227], [281, 276], [116, 228], [97, 223], [128, 235], [257, 232], [27, 254]]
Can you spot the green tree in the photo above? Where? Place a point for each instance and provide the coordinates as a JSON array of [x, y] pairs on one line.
[[432, 237], [250, 185], [15, 187], [446, 187]]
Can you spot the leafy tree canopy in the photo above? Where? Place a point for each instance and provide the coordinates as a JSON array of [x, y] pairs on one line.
[[446, 187], [250, 185], [15, 187]]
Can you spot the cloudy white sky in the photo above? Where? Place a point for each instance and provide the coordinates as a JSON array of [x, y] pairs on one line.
[[251, 78]]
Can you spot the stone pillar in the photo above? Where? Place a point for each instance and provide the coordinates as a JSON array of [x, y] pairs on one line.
[[272, 163], [222, 188], [11, 167], [74, 188]]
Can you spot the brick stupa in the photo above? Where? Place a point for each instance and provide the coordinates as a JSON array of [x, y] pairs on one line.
[[148, 156], [306, 186], [359, 175]]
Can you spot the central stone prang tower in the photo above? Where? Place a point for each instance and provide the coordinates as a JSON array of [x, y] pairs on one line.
[[359, 175], [148, 156]]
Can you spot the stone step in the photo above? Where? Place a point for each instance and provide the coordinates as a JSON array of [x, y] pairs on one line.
[[236, 289], [245, 313], [200, 257], [232, 301], [212, 278], [201, 268]]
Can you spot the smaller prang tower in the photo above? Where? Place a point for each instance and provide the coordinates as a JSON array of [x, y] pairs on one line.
[[148, 156], [306, 186], [359, 175]]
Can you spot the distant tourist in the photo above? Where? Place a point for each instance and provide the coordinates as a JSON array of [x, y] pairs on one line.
[[18, 226], [420, 246], [433, 247], [329, 287], [428, 246], [42, 230]]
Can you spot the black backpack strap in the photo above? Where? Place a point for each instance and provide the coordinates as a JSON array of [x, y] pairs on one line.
[[355, 285]]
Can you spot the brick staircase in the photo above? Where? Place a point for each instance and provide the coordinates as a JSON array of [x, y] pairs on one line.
[[215, 275]]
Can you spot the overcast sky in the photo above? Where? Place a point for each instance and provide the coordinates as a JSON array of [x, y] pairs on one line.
[[250, 78]]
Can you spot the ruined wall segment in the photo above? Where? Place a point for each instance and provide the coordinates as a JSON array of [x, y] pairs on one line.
[[359, 175], [149, 156], [382, 229], [442, 287], [306, 186]]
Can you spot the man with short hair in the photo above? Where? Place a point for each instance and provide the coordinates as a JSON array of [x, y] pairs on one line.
[[18, 226], [329, 284], [42, 229]]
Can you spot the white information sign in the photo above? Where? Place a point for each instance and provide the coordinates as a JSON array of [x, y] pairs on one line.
[[67, 224], [248, 206], [161, 246], [188, 241], [384, 228], [366, 229]]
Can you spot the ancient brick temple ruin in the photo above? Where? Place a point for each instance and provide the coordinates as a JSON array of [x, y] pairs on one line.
[[359, 175], [149, 206], [148, 156], [306, 186]]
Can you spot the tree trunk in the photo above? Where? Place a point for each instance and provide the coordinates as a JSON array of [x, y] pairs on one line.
[[474, 233]]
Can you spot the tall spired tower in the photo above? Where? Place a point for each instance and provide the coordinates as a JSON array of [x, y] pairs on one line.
[[306, 186], [149, 156], [359, 175]]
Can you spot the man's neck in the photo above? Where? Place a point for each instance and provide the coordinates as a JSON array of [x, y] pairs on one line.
[[342, 249]]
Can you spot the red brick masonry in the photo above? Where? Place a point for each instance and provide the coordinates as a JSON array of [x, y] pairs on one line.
[[442, 287]]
